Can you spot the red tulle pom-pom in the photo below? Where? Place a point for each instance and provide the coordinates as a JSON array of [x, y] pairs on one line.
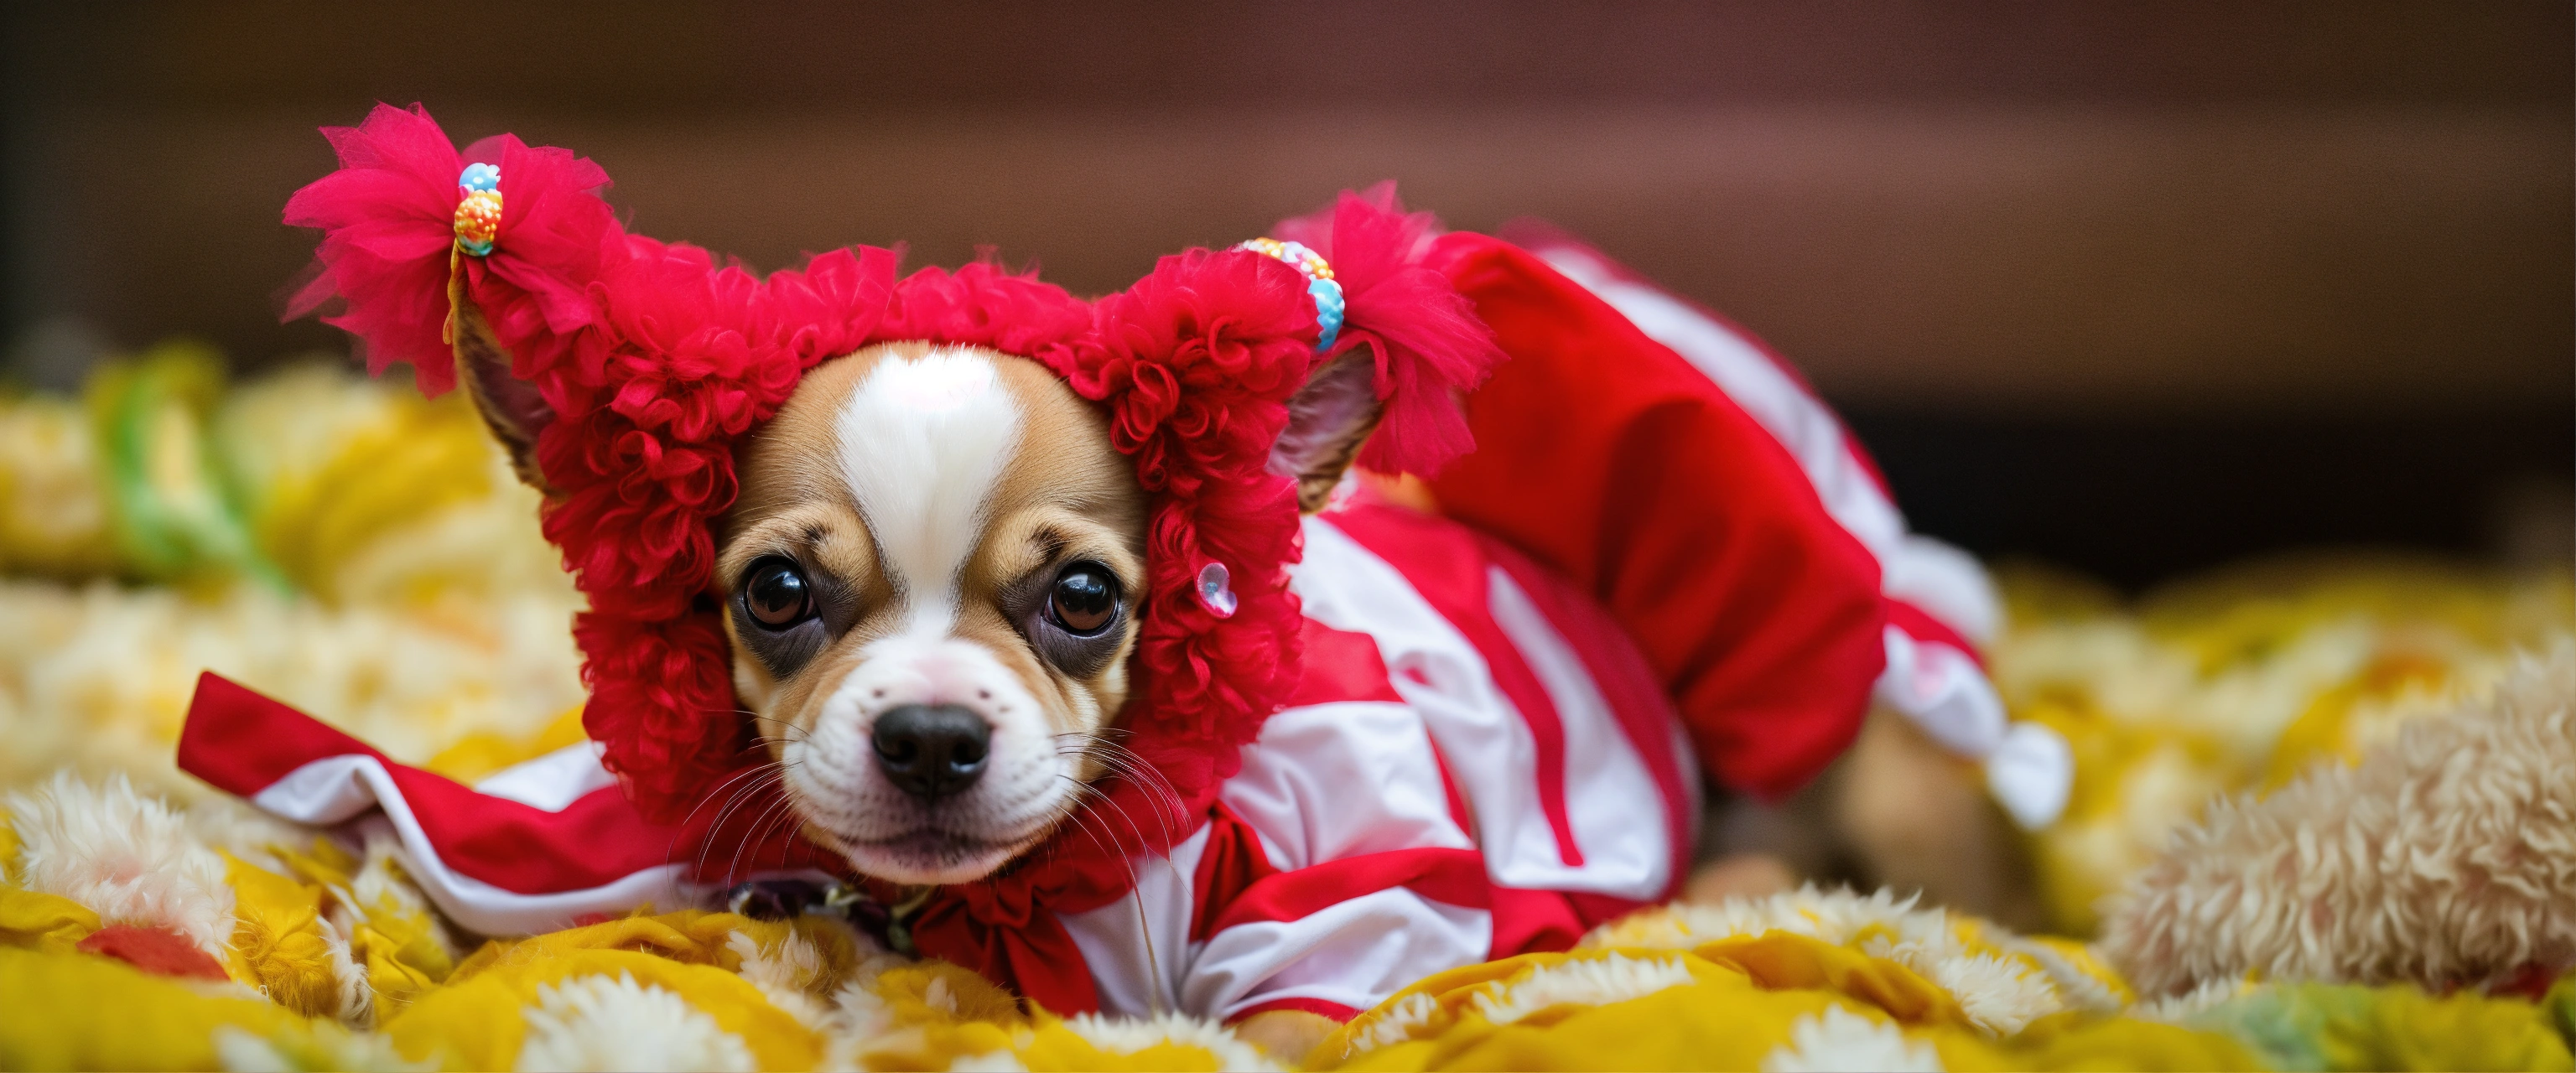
[[1424, 337]]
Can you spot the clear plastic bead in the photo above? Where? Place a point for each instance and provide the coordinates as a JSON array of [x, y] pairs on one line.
[[1214, 590]]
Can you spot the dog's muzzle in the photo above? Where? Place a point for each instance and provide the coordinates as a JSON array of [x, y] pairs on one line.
[[931, 751]]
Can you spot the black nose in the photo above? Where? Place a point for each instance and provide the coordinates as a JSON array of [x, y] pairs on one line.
[[931, 750]]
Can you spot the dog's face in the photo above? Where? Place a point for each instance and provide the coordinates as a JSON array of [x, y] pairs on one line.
[[927, 583], [929, 580]]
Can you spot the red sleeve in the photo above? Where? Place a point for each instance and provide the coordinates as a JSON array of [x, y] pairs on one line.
[[1608, 457]]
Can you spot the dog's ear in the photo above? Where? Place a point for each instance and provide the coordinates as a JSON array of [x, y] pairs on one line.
[[1328, 420], [512, 408]]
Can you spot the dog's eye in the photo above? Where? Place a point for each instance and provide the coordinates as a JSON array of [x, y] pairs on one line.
[[1085, 598], [776, 594]]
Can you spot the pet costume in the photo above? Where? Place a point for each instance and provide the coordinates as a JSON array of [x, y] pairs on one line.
[[1527, 774]]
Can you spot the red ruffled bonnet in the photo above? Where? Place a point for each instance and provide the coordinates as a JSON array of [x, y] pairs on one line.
[[655, 361]]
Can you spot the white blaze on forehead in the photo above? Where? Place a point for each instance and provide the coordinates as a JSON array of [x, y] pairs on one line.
[[923, 441]]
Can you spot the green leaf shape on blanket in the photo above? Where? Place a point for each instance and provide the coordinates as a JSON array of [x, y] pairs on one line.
[[2334, 1027]]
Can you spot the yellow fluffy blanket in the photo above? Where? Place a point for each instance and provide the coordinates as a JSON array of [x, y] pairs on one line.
[[315, 943], [360, 553]]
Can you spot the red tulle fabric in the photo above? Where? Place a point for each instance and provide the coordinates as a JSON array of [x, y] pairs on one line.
[[1424, 336], [655, 361]]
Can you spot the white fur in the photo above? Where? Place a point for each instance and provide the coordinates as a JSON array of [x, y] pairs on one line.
[[232, 825], [923, 440], [1588, 981], [783, 973], [858, 1012], [1395, 1023], [2180, 1009], [604, 1023], [836, 782], [1839, 1040], [1128, 1035], [911, 670], [128, 857], [1999, 993]]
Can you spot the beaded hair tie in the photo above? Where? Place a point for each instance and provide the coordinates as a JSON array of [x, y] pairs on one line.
[[1319, 283], [478, 216]]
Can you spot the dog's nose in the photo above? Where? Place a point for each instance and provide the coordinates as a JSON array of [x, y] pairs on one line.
[[931, 750]]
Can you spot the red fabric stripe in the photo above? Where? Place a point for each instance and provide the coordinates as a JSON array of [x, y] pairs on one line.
[[1657, 495], [1341, 666], [596, 840], [1452, 876], [1232, 862], [1922, 626], [1528, 921], [1531, 921], [1445, 564], [1320, 1007], [244, 742], [241, 742], [157, 949], [1636, 699]]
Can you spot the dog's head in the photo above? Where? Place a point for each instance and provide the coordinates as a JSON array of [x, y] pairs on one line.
[[928, 581]]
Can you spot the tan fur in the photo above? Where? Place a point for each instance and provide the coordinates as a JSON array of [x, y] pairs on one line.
[[1922, 821], [2445, 857], [1896, 809], [1064, 488], [483, 368]]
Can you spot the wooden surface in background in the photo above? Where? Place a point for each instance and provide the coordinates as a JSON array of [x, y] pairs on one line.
[[1994, 207]]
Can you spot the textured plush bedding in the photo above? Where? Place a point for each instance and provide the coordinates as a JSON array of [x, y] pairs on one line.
[[362, 555]]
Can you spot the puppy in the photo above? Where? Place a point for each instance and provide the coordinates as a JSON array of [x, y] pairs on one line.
[[946, 580], [926, 583]]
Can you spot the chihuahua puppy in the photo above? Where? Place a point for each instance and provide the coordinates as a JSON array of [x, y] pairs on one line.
[[926, 579]]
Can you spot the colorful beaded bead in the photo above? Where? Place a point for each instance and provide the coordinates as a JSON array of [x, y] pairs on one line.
[[478, 216], [1320, 283]]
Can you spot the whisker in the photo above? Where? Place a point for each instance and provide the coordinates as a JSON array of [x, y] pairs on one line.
[[706, 843], [1164, 820], [1144, 924], [1148, 779], [670, 854], [752, 841], [706, 838], [1164, 809], [749, 841], [1081, 821]]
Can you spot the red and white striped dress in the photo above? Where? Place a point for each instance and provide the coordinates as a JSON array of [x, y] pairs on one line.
[[1479, 760], [1477, 764]]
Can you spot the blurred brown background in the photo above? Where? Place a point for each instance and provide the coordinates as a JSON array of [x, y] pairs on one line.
[[2134, 286]]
